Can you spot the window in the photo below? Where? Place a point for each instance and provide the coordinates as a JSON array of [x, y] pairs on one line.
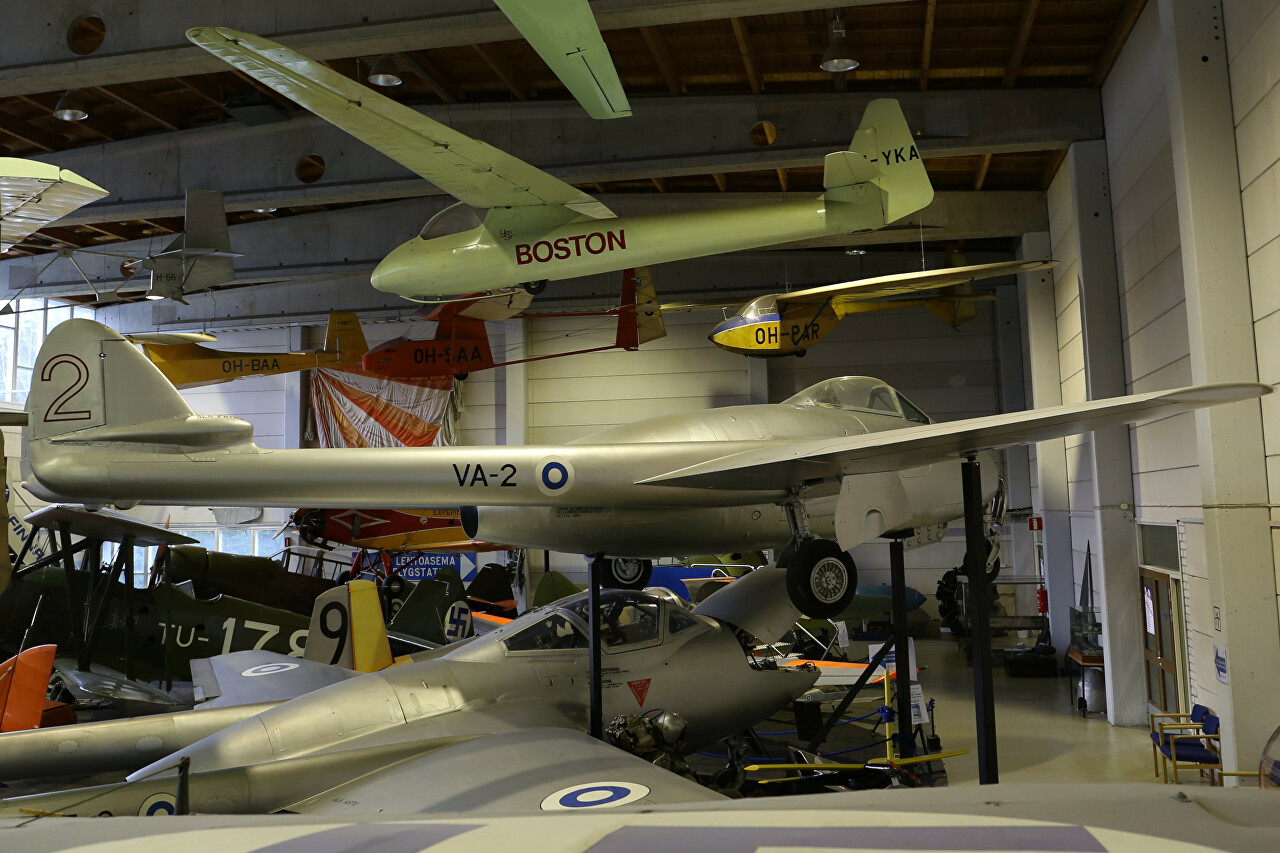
[[1158, 546], [21, 334], [911, 412], [553, 633], [236, 540], [678, 620]]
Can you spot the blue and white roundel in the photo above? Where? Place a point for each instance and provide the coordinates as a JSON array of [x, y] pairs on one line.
[[158, 804], [595, 795], [554, 476], [268, 669]]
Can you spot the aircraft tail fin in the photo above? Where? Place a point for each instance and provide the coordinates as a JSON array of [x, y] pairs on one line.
[[23, 682], [884, 153], [344, 335], [200, 257], [639, 316], [347, 629], [90, 381], [552, 587], [436, 610]]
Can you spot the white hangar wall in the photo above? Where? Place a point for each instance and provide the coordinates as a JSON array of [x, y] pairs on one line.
[[1170, 241]]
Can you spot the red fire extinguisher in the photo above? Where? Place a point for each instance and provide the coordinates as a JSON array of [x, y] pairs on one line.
[[1042, 600]]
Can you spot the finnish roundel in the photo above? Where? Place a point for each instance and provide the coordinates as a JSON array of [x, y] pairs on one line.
[[158, 804], [268, 669], [595, 795], [554, 476]]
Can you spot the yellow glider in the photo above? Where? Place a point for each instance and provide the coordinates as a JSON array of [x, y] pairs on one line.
[[186, 363], [790, 323]]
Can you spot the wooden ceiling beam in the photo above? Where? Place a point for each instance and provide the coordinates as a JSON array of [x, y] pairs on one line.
[[102, 128], [27, 132], [660, 184], [506, 72], [1020, 42], [722, 181], [750, 59], [429, 73], [926, 56], [662, 57], [1119, 35], [981, 176], [128, 96], [782, 179], [115, 232], [204, 90], [1051, 168]]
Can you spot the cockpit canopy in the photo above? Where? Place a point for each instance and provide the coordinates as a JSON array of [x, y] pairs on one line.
[[859, 394], [629, 620]]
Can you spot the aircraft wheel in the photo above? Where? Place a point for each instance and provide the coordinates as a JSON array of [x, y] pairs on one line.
[[535, 287], [821, 579], [627, 573], [461, 376], [800, 353]]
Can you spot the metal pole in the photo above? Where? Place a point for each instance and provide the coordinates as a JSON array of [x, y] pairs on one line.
[[979, 605], [596, 709], [901, 646]]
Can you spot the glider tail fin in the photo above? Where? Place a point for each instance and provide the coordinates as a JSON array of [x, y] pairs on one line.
[[23, 682], [884, 153], [347, 628], [200, 257], [639, 317], [344, 335]]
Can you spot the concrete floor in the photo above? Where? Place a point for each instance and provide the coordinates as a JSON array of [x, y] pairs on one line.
[[1039, 737]]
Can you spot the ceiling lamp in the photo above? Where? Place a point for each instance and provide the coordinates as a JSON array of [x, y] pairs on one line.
[[72, 106], [384, 72], [839, 55]]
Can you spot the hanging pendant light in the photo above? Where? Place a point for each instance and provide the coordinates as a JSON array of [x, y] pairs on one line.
[[839, 54], [384, 72], [72, 106]]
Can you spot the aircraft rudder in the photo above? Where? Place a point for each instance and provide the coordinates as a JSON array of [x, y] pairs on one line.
[[347, 628], [884, 138], [87, 375], [344, 335], [23, 682]]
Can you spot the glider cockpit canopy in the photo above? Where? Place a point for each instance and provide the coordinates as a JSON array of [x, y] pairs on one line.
[[859, 394]]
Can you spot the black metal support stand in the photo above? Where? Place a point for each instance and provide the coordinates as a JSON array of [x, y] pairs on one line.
[[596, 709], [850, 695], [902, 646], [979, 605]]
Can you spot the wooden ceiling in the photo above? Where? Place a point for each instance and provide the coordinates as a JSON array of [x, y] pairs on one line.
[[933, 44]]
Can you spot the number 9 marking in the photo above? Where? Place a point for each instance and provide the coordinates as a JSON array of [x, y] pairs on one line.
[[339, 633], [55, 412]]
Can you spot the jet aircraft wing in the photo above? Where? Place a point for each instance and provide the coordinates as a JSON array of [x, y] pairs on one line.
[[255, 676], [784, 465], [901, 284], [527, 770], [472, 171]]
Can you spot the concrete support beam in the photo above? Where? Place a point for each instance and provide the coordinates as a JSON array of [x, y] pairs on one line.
[[255, 166], [347, 244], [144, 38], [1115, 559], [1053, 504], [1215, 274]]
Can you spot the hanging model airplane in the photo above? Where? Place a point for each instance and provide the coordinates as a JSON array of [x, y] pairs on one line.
[[494, 724], [461, 344], [791, 322], [106, 427], [538, 228], [186, 363]]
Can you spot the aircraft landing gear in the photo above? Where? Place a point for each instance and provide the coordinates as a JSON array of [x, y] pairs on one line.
[[626, 573], [821, 576], [534, 287]]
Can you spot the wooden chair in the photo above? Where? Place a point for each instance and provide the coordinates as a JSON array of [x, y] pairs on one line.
[[1198, 748], [1160, 733]]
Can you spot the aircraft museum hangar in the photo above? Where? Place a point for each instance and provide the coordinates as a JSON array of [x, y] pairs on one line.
[[440, 424]]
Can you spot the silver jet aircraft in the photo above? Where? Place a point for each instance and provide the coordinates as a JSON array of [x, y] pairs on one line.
[[106, 427], [494, 723]]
